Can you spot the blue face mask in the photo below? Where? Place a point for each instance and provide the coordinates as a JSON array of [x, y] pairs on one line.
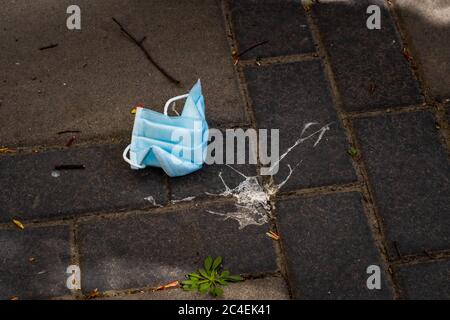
[[176, 144]]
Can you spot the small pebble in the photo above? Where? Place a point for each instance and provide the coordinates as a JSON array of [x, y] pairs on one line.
[[55, 173]]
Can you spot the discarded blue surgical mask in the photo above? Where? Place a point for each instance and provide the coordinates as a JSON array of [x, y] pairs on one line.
[[177, 144]]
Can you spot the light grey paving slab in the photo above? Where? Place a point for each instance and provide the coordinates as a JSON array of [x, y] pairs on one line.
[[92, 78], [270, 288], [427, 24]]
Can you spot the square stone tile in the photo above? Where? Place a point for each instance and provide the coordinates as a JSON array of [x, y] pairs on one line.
[[328, 247], [369, 67], [428, 30], [207, 180], [92, 78], [288, 97], [154, 249], [425, 281], [282, 23], [107, 183], [43, 278], [409, 171]]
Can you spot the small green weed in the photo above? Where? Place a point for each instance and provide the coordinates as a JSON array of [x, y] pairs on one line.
[[209, 278]]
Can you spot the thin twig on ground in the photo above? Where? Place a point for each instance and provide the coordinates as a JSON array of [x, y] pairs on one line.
[[70, 167], [236, 56], [68, 131], [53, 45], [139, 43]]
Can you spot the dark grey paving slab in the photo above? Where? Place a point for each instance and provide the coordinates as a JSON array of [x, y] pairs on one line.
[[43, 278], [409, 172], [328, 247], [425, 281], [369, 66], [428, 31], [288, 102], [106, 183], [282, 23], [153, 249], [92, 78], [207, 180]]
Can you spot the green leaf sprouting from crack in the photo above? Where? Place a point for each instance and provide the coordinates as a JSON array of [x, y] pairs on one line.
[[210, 278]]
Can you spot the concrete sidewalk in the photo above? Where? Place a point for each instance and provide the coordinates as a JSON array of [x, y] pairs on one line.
[[373, 191]]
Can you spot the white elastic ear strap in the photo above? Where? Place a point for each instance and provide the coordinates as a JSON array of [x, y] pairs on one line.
[[167, 105], [128, 160]]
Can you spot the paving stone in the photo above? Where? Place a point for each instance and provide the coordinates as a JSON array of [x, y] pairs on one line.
[[428, 29], [408, 168], [92, 78], [270, 288], [369, 66], [153, 249], [427, 281], [43, 278], [328, 247], [282, 23], [106, 183], [288, 103], [207, 181]]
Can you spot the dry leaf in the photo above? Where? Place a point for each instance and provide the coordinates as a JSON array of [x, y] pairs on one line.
[[307, 5], [172, 284], [70, 141], [93, 294], [134, 108], [18, 224], [6, 150], [273, 235], [407, 55], [32, 259], [14, 298]]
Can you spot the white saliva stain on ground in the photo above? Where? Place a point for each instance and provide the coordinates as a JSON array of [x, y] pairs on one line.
[[182, 200], [152, 200], [253, 199]]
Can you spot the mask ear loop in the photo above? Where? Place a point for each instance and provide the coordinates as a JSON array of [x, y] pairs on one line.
[[166, 106], [128, 160]]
